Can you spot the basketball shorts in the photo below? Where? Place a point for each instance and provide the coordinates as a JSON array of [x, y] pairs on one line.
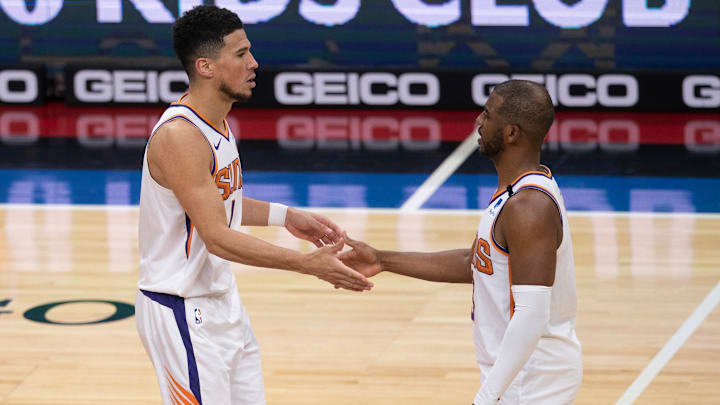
[[543, 389], [202, 348], [552, 375]]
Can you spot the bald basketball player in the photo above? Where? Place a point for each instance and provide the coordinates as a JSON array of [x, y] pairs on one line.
[[523, 315]]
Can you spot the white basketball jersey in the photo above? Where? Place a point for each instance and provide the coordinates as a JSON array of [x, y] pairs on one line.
[[492, 299], [173, 257]]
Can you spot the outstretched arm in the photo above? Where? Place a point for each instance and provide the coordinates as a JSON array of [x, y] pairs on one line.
[[449, 266], [305, 225], [179, 159], [531, 228]]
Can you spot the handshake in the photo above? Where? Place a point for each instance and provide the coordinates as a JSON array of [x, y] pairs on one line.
[[348, 269]]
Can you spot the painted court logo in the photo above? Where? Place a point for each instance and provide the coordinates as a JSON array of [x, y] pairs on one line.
[[198, 317]]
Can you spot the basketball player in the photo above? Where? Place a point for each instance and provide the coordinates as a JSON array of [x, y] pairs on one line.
[[524, 315], [189, 314]]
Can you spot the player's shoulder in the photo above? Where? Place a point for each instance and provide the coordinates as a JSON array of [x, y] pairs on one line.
[[529, 205], [177, 140], [177, 131]]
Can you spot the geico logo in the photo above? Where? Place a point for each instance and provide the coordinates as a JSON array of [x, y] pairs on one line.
[[124, 130], [105, 130], [701, 91], [374, 88], [586, 135], [702, 136], [18, 86], [19, 127], [570, 90], [128, 86], [372, 133]]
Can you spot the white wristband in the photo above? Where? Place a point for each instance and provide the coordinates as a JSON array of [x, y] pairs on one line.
[[276, 216]]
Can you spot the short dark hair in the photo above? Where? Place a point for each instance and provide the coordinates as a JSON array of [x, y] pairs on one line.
[[528, 105], [200, 32]]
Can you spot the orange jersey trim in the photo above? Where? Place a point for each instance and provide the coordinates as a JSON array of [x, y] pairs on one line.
[[512, 299], [188, 242], [181, 116], [172, 118], [546, 191], [502, 250], [518, 178], [214, 169], [224, 132]]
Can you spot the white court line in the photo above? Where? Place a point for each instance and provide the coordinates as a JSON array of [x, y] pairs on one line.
[[364, 210], [671, 347], [438, 177], [76, 207]]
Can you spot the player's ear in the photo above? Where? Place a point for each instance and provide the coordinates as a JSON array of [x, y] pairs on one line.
[[204, 67], [511, 133]]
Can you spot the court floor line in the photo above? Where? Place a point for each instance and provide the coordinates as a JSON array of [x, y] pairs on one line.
[[365, 210], [671, 347], [438, 177]]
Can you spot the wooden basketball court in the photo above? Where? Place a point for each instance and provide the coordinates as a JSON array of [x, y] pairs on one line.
[[639, 278]]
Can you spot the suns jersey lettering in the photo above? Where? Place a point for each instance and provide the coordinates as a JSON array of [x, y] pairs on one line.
[[492, 303], [481, 256], [173, 257], [229, 179]]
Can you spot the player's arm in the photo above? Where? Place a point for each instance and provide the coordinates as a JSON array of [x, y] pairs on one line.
[[255, 212], [302, 224], [531, 227], [449, 266], [179, 159]]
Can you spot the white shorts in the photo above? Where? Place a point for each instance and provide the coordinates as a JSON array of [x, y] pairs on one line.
[[552, 375], [202, 348], [555, 388]]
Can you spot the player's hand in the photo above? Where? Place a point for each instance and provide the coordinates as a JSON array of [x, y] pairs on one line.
[[362, 258], [312, 227], [324, 264]]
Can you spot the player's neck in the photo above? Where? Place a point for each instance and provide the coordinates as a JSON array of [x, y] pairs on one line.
[[210, 106], [511, 167]]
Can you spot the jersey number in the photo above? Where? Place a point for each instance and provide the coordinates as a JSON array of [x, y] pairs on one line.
[[481, 256]]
